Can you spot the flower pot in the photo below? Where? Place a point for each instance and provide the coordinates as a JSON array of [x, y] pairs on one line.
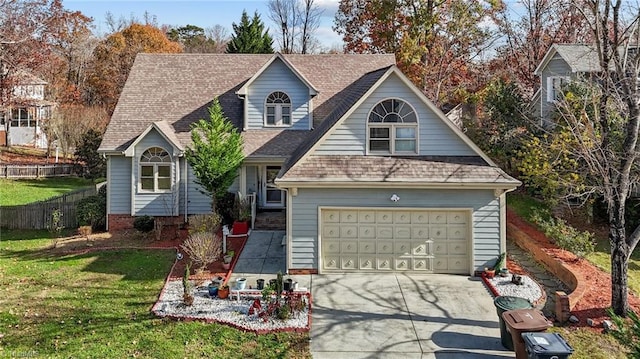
[[287, 284], [260, 283], [223, 293], [240, 227], [213, 290], [241, 283], [227, 258], [489, 273], [226, 266]]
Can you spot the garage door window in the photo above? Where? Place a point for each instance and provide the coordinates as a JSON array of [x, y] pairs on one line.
[[392, 128]]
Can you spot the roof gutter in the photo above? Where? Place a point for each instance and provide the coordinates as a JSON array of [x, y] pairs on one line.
[[508, 186]]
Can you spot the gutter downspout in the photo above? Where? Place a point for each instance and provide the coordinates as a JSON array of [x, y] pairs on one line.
[[186, 191]]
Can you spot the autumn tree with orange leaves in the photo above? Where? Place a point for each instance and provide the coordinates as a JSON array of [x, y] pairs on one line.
[[114, 57], [435, 42]]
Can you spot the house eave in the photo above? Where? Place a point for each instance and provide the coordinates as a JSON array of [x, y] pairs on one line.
[[507, 186]]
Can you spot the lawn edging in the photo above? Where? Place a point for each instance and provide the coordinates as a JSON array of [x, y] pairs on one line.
[[559, 269]]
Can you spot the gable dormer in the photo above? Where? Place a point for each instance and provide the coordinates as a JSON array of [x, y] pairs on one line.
[[278, 96]]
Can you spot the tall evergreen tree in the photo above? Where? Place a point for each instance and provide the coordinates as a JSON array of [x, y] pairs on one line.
[[250, 37]]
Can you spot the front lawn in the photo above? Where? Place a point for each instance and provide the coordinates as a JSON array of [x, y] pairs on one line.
[[23, 191], [97, 305]]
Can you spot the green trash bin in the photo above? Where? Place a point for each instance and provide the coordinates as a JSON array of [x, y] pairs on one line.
[[504, 303]]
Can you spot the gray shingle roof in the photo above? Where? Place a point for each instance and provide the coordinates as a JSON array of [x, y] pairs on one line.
[[178, 88], [427, 170], [271, 142], [581, 58]]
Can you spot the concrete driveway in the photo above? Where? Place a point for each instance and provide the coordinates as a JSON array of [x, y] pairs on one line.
[[403, 316]]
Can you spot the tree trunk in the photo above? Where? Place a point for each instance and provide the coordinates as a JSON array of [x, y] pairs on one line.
[[619, 267]]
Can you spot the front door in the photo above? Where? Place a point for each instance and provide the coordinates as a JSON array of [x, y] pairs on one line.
[[273, 197]]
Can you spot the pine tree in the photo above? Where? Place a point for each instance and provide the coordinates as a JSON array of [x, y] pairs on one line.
[[250, 37]]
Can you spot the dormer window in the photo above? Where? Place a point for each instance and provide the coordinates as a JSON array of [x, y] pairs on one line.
[[278, 109], [155, 170], [392, 128]]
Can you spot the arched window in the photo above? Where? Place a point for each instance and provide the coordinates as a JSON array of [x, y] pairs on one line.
[[392, 128], [278, 109], [155, 170]]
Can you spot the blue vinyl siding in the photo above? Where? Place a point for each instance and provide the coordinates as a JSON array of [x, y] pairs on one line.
[[119, 182], [278, 77], [556, 67], [252, 179], [486, 216], [436, 138], [155, 204], [198, 202]]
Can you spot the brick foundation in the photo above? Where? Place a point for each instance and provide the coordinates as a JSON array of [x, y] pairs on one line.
[[119, 222], [302, 271]]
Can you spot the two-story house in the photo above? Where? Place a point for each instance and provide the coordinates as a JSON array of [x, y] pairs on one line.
[[22, 122], [560, 65], [371, 174]]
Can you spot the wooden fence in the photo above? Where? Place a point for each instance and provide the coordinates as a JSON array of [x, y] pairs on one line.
[[38, 215], [37, 171]]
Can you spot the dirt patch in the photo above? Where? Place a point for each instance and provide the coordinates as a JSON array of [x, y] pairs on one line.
[[598, 296], [19, 155]]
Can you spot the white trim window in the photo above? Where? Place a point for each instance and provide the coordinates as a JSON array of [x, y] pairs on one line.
[[392, 128], [277, 109], [155, 171], [554, 87]]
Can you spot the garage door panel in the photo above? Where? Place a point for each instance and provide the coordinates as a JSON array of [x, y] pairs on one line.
[[367, 247], [348, 231], [368, 262], [420, 232], [349, 216], [367, 232], [457, 232], [349, 247], [422, 264], [401, 232], [396, 240], [331, 262], [366, 216], [385, 247], [456, 218], [402, 247], [331, 247], [402, 217], [330, 216], [421, 248], [402, 264], [384, 232], [384, 263], [438, 232], [330, 231], [458, 247]]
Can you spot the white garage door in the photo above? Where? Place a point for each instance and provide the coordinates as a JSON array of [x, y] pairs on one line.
[[370, 240]]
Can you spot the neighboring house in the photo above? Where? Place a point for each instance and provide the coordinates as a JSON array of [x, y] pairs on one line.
[[560, 65], [22, 122], [373, 177]]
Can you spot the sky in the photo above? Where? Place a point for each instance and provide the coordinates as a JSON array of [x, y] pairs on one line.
[[202, 13]]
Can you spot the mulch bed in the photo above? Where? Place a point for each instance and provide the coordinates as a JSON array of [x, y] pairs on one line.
[[598, 298]]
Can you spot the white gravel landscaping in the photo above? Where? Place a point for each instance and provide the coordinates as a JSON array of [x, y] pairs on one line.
[[529, 290], [222, 310]]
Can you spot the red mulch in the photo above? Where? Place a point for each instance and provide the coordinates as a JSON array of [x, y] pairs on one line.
[[598, 298]]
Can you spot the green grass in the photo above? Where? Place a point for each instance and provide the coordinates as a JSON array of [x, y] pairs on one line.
[[524, 205], [97, 305], [588, 344], [18, 192]]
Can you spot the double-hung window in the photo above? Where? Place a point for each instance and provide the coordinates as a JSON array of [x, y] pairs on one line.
[[155, 170], [392, 128], [555, 84], [278, 109]]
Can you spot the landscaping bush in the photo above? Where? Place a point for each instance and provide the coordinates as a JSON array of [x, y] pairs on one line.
[[226, 207], [92, 210], [205, 223], [203, 248], [144, 224], [563, 235]]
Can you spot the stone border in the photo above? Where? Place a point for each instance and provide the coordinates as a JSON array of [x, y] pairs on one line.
[[558, 268]]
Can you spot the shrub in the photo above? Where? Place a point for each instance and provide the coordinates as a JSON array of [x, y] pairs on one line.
[[205, 223], [565, 236], [203, 248], [226, 207], [92, 210], [144, 224]]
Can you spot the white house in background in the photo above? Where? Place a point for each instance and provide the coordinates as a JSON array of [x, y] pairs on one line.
[[371, 175], [21, 123]]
